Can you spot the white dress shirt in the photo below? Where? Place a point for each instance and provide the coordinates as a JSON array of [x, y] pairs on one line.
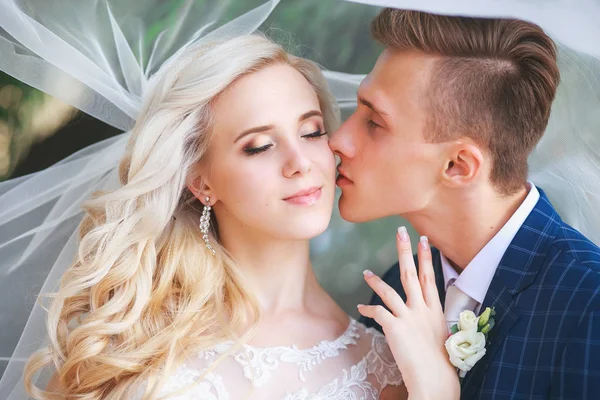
[[476, 278]]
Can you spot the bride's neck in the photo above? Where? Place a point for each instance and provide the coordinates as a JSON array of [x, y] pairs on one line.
[[278, 272]]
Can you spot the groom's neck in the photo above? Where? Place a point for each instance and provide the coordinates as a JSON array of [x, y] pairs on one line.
[[461, 224]]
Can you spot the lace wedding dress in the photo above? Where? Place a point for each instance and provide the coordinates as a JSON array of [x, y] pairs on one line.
[[356, 365]]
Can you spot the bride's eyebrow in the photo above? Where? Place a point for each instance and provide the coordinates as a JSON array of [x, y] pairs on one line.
[[265, 128], [309, 114], [257, 129]]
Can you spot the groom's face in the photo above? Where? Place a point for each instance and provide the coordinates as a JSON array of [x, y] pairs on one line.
[[387, 167]]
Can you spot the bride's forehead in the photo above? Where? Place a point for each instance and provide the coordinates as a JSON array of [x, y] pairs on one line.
[[266, 97], [272, 80]]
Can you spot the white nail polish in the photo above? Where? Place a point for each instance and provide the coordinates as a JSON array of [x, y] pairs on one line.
[[403, 233]]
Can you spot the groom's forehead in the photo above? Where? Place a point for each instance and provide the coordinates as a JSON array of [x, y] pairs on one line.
[[402, 67], [398, 77]]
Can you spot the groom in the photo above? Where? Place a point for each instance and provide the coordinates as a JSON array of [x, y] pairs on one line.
[[445, 123]]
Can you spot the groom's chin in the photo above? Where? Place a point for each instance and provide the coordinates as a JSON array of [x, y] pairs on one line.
[[353, 211]]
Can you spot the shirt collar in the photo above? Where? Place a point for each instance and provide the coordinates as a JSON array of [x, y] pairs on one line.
[[476, 278]]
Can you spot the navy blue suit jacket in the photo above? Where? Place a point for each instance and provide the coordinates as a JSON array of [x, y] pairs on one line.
[[546, 342]]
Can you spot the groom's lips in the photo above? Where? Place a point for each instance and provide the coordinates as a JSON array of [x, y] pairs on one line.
[[342, 179]]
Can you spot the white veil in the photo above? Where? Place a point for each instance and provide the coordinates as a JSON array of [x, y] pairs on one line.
[[99, 56]]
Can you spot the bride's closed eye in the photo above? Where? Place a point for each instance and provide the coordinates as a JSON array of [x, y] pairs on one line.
[[256, 150], [314, 135], [251, 150]]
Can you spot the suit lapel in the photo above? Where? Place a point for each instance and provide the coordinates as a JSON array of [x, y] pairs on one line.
[[498, 296], [517, 270], [439, 275]]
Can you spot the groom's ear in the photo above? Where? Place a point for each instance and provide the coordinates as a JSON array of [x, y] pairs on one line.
[[463, 164]]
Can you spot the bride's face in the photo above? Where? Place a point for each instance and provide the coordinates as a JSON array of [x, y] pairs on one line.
[[270, 170]]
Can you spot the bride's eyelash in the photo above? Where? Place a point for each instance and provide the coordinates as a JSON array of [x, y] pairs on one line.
[[315, 134], [256, 150]]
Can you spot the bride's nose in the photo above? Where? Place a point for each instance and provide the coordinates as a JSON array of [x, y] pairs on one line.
[[297, 162]]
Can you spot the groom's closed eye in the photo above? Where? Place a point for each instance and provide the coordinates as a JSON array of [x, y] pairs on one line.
[[372, 124]]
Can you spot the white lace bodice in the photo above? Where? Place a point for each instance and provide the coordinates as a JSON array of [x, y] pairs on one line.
[[357, 365]]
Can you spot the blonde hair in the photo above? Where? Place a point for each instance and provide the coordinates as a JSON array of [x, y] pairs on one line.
[[144, 289]]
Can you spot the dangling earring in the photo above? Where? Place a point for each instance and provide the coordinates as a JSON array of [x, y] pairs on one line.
[[204, 225]]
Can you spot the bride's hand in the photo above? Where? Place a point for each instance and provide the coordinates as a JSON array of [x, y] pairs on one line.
[[415, 330]]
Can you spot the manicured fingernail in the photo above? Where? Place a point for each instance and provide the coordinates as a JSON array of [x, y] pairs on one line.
[[424, 242], [360, 305], [368, 273], [403, 233]]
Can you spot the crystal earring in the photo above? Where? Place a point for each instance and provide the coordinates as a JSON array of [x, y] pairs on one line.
[[204, 225]]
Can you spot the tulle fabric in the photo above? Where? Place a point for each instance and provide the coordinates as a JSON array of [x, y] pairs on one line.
[[98, 56]]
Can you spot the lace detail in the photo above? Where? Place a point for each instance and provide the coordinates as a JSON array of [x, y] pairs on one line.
[[353, 386], [381, 362], [210, 355], [356, 366], [258, 363]]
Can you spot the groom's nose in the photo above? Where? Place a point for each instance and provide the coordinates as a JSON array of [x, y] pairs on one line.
[[341, 141]]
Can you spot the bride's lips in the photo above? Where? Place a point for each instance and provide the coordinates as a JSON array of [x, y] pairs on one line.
[[305, 197], [342, 179]]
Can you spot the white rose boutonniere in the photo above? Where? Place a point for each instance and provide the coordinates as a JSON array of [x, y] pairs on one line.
[[466, 343], [467, 321]]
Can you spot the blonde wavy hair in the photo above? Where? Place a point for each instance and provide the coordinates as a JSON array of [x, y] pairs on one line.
[[144, 290]]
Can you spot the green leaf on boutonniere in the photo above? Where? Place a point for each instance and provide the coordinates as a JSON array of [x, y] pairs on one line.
[[493, 314], [454, 329], [484, 318], [486, 329]]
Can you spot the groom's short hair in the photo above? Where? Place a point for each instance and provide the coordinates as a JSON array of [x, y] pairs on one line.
[[495, 82]]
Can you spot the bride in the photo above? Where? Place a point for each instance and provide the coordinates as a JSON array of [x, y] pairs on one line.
[[193, 279]]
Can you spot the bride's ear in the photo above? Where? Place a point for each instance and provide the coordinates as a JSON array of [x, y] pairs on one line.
[[200, 188], [464, 164]]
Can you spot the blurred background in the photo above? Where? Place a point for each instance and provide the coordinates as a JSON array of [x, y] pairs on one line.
[[38, 130]]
